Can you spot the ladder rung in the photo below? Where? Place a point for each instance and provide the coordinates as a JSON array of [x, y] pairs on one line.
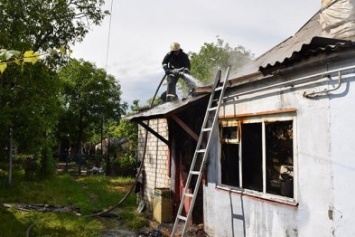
[[195, 172], [184, 218], [200, 155], [201, 151]]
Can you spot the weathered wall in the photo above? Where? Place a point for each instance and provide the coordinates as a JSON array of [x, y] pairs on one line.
[[156, 166], [323, 166], [342, 151]]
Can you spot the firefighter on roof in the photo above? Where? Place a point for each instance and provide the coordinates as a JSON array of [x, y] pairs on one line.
[[176, 64]]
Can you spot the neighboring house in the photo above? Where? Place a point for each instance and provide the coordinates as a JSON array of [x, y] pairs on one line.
[[282, 163], [111, 141]]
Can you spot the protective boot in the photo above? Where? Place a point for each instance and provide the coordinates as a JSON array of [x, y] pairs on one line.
[[171, 90]]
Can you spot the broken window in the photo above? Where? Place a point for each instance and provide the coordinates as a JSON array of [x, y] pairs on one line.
[[258, 156]]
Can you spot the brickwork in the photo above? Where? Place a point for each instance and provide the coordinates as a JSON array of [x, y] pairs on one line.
[[156, 163]]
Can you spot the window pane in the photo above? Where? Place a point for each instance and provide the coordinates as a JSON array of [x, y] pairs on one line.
[[229, 164], [229, 131], [252, 156], [279, 157]]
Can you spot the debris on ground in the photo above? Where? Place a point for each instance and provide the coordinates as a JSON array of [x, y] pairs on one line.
[[43, 208]]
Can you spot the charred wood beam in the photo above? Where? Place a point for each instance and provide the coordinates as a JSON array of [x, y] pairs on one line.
[[186, 128]]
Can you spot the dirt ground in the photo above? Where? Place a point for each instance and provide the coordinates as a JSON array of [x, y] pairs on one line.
[[155, 230]]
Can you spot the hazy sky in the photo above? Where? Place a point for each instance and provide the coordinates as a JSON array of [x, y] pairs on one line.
[[141, 32]]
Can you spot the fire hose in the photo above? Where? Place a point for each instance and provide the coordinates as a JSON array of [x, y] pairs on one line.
[[182, 72], [137, 176], [141, 163]]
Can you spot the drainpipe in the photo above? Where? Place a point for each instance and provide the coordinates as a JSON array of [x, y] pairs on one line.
[[325, 91]]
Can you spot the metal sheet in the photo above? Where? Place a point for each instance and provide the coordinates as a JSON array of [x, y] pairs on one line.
[[166, 109]]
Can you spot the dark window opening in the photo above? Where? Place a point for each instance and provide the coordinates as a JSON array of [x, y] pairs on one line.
[[252, 156], [279, 157], [230, 164]]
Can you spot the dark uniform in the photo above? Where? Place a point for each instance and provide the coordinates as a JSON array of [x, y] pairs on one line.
[[176, 60]]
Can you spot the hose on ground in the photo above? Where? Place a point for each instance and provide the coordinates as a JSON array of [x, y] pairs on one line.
[[138, 173]]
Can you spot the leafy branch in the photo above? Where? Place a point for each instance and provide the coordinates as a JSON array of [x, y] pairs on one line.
[[13, 56]]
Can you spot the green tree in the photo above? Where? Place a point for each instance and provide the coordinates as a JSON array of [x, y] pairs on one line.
[[89, 97], [29, 106], [127, 130], [45, 24], [213, 56], [28, 93], [124, 158], [135, 105]]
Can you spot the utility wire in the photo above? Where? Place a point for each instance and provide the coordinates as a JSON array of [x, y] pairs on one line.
[[109, 35]]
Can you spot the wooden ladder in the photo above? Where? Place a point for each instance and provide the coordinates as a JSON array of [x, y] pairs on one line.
[[200, 156]]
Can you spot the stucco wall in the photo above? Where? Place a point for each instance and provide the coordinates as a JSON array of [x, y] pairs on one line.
[[156, 166], [324, 166], [342, 150]]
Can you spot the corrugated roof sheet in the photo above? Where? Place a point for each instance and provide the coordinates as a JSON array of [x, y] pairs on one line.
[[306, 42], [166, 109], [317, 45]]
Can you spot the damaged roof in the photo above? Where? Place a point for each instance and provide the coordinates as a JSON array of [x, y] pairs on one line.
[[166, 109], [307, 41]]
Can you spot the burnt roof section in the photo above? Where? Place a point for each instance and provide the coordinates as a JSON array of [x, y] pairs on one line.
[[166, 109]]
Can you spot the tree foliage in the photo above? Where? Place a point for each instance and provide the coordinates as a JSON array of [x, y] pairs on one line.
[[29, 102], [14, 56], [214, 56], [89, 97], [127, 130], [45, 24]]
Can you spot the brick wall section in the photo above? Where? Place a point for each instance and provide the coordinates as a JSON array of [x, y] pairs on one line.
[[156, 165]]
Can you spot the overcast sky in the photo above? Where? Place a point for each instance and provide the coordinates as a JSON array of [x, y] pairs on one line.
[[141, 31]]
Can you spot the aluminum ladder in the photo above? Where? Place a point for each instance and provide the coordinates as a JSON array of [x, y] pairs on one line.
[[201, 153]]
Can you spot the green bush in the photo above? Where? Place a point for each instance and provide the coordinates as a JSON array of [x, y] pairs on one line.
[[125, 165]]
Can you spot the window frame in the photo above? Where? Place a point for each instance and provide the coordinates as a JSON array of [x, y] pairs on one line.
[[263, 119]]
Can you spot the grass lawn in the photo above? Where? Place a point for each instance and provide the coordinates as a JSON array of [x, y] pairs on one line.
[[89, 193]]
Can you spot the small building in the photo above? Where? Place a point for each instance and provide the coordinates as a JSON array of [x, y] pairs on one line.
[[282, 159]]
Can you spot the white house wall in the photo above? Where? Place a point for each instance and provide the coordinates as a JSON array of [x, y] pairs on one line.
[[343, 155], [323, 165]]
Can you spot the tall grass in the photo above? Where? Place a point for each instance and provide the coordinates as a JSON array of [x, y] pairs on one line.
[[90, 194]]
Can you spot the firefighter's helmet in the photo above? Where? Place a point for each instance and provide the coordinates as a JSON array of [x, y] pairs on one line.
[[175, 46]]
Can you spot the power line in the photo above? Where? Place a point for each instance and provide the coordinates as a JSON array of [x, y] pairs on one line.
[[109, 35]]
